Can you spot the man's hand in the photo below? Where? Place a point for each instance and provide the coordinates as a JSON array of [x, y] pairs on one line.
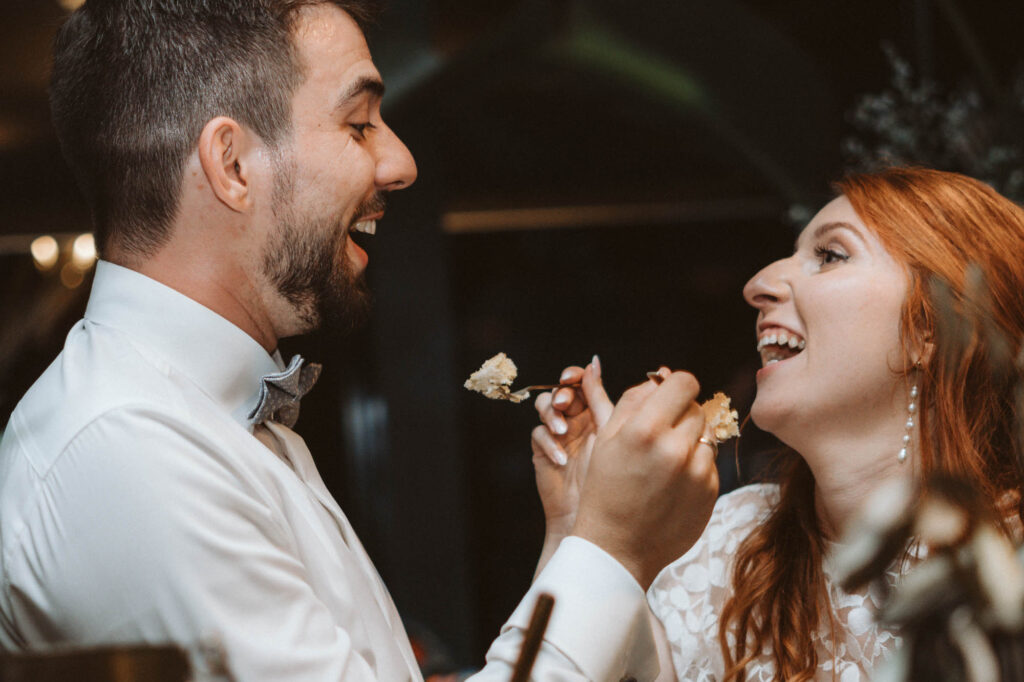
[[649, 485]]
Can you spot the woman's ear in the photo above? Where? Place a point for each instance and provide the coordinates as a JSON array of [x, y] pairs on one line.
[[221, 146], [923, 357], [929, 351]]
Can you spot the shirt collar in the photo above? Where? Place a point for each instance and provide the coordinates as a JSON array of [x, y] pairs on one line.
[[224, 361]]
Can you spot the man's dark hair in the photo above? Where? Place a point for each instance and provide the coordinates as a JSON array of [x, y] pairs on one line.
[[135, 81]]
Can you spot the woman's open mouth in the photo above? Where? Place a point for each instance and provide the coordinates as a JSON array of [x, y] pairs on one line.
[[776, 345]]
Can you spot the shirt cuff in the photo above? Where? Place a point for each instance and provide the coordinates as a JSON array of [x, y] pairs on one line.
[[600, 618]]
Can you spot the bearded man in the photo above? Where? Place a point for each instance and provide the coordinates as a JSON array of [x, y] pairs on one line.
[[151, 486]]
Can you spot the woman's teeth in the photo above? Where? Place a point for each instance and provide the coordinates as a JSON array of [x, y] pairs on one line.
[[779, 346], [783, 339]]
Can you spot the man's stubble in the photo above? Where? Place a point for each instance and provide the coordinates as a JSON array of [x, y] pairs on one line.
[[306, 260]]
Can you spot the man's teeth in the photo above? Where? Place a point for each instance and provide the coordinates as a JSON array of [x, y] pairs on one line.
[[366, 226], [781, 339]]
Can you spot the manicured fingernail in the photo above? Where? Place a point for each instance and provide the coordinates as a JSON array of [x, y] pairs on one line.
[[566, 375], [597, 364], [561, 399], [561, 428], [560, 458]]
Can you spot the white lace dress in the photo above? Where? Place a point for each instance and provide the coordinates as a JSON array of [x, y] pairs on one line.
[[689, 594]]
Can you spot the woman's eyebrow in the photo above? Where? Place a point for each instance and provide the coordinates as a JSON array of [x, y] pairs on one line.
[[823, 229]]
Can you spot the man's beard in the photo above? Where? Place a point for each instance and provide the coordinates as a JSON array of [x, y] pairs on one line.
[[308, 265]]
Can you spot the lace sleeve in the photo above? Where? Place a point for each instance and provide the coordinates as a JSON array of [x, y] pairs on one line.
[[688, 595]]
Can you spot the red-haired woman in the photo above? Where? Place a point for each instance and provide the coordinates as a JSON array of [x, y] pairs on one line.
[[854, 382]]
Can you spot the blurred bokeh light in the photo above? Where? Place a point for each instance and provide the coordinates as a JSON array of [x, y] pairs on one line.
[[45, 252]]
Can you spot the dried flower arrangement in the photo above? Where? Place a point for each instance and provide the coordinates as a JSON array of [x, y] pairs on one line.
[[916, 121]]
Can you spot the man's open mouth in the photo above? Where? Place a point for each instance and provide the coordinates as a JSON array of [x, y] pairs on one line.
[[361, 230]]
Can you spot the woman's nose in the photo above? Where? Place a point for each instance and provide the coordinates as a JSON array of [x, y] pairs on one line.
[[768, 286]]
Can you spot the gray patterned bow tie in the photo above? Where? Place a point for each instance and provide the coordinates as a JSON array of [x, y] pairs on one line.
[[280, 393]]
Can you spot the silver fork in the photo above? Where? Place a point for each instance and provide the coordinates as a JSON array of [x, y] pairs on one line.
[[524, 393]]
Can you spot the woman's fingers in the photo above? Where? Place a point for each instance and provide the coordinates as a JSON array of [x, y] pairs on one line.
[[548, 415], [566, 402], [568, 399], [596, 397], [545, 444], [571, 375]]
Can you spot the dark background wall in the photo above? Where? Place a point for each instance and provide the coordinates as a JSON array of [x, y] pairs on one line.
[[595, 177]]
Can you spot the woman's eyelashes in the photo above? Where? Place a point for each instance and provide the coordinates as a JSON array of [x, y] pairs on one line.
[[828, 255]]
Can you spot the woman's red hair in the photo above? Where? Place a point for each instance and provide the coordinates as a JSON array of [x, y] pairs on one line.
[[939, 226]]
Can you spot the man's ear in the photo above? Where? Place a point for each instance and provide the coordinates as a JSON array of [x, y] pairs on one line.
[[223, 144]]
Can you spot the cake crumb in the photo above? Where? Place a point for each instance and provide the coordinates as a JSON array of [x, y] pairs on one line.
[[494, 378], [724, 422]]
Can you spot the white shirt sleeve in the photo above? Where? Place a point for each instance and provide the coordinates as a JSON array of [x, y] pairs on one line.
[[170, 545], [142, 532], [599, 627]]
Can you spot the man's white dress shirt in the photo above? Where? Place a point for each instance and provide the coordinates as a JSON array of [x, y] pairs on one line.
[[136, 505]]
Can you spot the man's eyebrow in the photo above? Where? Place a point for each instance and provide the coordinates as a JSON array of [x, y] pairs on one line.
[[823, 229], [361, 86]]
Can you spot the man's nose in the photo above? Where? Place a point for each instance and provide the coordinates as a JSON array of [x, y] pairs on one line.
[[396, 169]]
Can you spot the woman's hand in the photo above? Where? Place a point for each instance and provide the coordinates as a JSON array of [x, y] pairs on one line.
[[562, 443]]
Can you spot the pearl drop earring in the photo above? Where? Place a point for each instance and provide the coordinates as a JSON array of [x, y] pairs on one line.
[[911, 411]]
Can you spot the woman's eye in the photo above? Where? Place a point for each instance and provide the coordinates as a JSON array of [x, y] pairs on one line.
[[827, 255]]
